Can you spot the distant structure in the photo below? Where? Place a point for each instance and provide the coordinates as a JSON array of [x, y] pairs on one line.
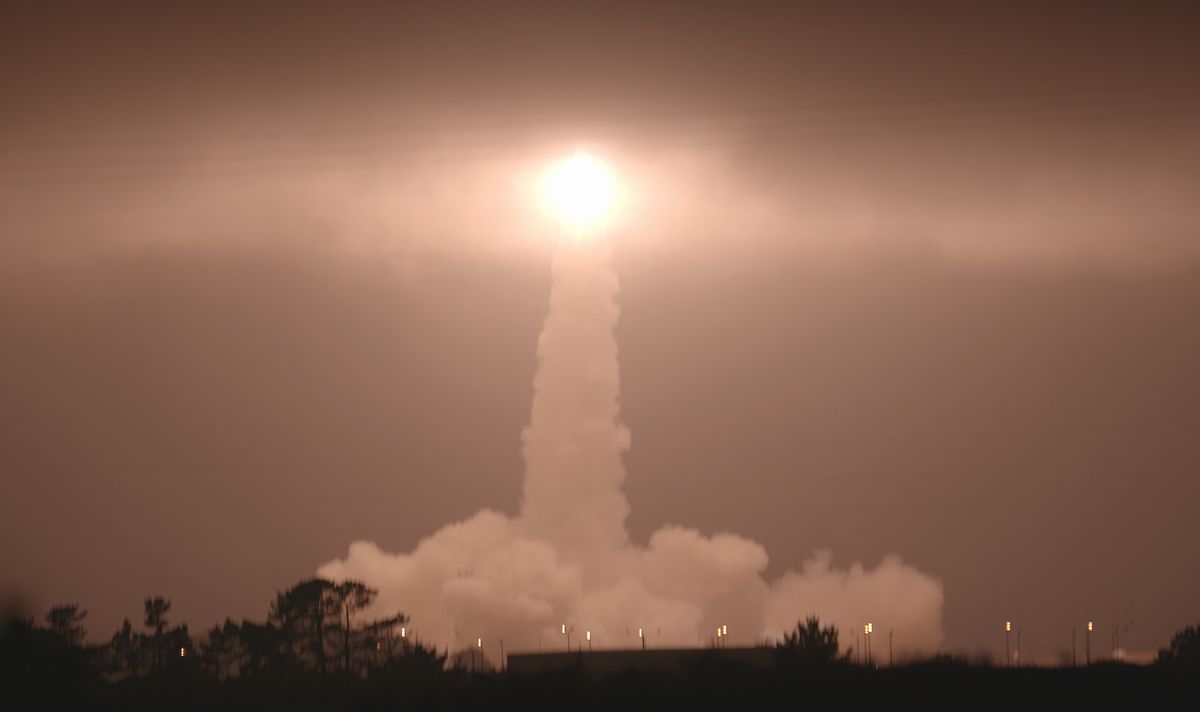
[[603, 663]]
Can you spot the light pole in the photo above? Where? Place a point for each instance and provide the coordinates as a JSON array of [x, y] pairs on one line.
[[589, 640], [567, 633], [642, 637], [479, 647], [1007, 654], [1087, 660], [867, 630]]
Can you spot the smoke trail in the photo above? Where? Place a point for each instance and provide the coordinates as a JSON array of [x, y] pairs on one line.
[[566, 558], [574, 444]]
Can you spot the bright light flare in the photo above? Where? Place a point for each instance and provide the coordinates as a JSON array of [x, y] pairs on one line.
[[580, 190]]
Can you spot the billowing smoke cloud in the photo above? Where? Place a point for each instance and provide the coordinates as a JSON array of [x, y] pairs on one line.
[[566, 558]]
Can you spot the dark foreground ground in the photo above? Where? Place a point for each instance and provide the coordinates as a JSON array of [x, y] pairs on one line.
[[712, 685]]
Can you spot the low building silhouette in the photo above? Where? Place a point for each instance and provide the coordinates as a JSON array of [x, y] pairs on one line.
[[601, 663]]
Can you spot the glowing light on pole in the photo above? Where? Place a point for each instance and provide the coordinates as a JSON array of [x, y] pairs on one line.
[[1007, 654], [642, 637], [589, 640], [1087, 660]]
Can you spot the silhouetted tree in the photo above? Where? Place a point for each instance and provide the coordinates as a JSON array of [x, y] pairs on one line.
[[67, 623], [221, 650], [305, 614], [40, 670], [124, 652], [470, 659], [352, 596], [156, 609], [177, 643], [380, 638], [415, 661], [811, 642], [262, 650], [419, 657], [1184, 650]]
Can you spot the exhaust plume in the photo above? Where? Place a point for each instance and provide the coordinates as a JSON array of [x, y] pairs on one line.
[[566, 558]]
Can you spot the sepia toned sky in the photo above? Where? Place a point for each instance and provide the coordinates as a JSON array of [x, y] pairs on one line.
[[919, 279]]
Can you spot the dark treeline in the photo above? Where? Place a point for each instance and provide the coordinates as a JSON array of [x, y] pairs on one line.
[[313, 631], [316, 650]]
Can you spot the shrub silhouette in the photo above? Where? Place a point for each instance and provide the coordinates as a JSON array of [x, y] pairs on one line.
[[810, 642]]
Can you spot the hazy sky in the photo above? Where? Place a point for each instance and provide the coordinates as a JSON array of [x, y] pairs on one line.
[[892, 280]]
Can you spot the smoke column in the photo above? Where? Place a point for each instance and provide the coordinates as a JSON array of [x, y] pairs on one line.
[[567, 559], [574, 444]]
